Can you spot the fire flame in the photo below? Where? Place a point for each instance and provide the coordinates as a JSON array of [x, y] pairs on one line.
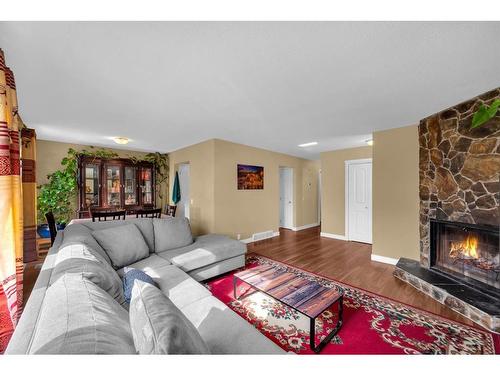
[[466, 248]]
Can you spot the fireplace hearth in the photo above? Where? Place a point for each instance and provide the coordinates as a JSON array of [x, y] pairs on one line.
[[469, 253]]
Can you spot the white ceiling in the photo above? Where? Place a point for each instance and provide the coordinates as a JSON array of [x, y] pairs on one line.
[[166, 85]]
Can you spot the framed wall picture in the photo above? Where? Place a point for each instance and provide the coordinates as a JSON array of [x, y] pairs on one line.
[[250, 177]]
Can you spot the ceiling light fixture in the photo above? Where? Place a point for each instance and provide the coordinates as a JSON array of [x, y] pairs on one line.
[[308, 144], [121, 140], [369, 142]]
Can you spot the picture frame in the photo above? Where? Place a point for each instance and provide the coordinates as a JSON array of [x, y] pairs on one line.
[[250, 177]]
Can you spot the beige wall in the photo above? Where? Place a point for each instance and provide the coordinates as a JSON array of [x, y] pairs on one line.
[[395, 193], [252, 211], [49, 156], [201, 174], [218, 206], [333, 187]]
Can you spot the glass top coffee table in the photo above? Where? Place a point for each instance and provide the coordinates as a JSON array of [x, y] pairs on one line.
[[305, 296]]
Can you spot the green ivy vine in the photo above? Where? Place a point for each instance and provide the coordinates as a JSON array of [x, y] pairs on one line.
[[485, 113]]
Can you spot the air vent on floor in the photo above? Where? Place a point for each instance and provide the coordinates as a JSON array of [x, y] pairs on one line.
[[262, 235]]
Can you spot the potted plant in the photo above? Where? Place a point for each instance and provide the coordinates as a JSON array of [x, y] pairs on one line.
[[58, 195]]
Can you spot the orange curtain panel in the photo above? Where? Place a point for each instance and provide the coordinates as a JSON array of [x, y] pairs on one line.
[[11, 210]]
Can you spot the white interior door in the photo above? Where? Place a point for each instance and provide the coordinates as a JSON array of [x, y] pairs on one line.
[[286, 197], [184, 203], [359, 213]]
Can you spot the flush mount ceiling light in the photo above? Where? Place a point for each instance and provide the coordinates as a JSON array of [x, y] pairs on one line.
[[121, 140], [369, 142], [308, 144]]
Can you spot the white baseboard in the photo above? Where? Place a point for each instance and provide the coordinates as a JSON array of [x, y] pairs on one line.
[[307, 226], [250, 240], [382, 259], [334, 236]]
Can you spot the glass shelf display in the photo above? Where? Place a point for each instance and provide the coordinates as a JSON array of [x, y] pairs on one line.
[[130, 189], [91, 185], [147, 186], [113, 185]]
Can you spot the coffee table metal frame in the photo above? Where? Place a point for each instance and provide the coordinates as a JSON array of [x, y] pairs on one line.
[[312, 330]]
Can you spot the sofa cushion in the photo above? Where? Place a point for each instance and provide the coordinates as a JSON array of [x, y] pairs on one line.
[[80, 234], [80, 258], [145, 225], [148, 264], [177, 285], [159, 327], [206, 250], [224, 331], [78, 317], [172, 233], [130, 275], [123, 244]]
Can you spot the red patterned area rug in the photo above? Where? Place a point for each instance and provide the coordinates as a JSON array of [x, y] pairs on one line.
[[372, 324]]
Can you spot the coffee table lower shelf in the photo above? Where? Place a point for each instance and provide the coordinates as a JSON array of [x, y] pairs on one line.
[[312, 330]]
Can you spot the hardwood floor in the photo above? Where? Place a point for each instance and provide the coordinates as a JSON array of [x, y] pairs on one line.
[[348, 262]]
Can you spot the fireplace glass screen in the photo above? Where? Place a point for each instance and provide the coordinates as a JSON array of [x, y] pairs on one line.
[[466, 251]]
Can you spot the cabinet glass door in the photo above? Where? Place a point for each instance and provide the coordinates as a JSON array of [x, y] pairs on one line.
[[91, 185], [147, 186], [130, 189], [113, 185]]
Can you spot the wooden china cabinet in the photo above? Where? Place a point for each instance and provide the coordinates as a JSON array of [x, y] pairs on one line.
[[114, 184]]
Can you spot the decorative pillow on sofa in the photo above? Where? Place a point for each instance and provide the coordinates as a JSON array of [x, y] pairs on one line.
[[129, 277], [79, 258], [159, 327], [78, 317], [124, 244], [172, 233]]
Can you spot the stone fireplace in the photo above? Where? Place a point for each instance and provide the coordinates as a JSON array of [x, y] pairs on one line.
[[459, 173]]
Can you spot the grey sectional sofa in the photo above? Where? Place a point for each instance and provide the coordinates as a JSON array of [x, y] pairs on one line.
[[87, 314]]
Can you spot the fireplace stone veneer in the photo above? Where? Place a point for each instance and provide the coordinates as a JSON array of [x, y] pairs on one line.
[[459, 174]]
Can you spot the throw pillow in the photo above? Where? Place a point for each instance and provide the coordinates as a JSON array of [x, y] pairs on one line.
[[159, 327], [172, 233], [129, 277], [124, 244]]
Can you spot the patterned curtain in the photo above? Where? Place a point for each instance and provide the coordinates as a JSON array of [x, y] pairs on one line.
[[11, 220]]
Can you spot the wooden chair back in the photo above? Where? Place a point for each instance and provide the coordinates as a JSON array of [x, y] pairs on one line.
[[104, 215], [156, 212], [170, 210], [51, 221]]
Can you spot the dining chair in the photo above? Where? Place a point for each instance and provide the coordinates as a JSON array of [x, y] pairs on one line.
[[170, 210], [104, 215], [156, 212], [51, 221]]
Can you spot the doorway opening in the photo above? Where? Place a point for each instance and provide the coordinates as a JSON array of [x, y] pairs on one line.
[[184, 203], [358, 200], [286, 197]]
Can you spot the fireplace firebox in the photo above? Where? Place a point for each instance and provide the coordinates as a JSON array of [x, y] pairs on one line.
[[468, 252]]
